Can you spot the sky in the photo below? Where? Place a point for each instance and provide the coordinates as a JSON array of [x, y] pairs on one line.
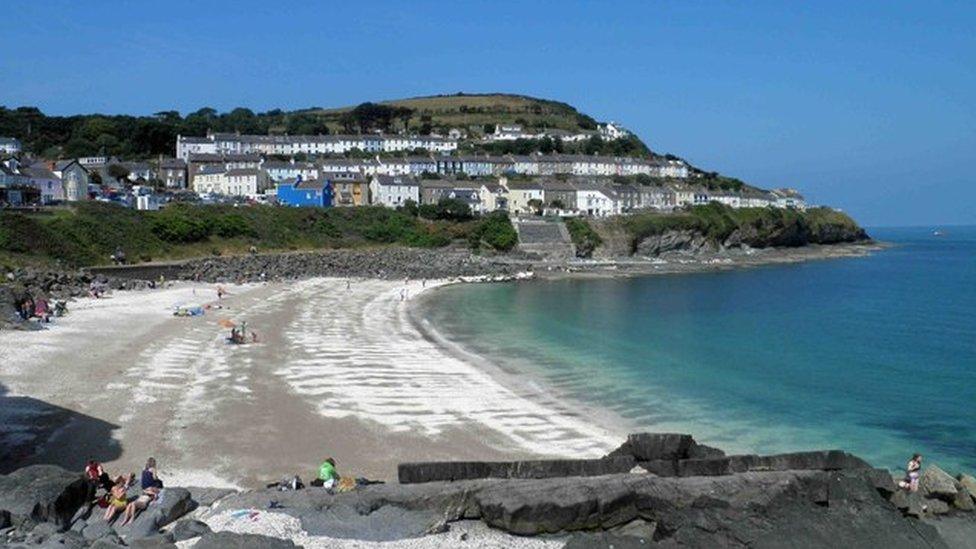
[[870, 108]]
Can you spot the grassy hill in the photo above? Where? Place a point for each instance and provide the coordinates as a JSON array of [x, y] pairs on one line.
[[464, 110]]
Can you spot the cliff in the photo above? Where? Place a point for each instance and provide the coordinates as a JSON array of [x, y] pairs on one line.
[[714, 228]]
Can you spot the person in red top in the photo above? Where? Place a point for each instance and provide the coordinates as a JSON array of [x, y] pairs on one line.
[[97, 476]]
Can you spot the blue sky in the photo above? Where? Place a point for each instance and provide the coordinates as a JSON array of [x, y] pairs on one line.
[[868, 107]]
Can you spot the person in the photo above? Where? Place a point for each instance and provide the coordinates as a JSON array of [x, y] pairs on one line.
[[97, 476], [149, 477], [220, 292], [117, 501], [41, 310], [327, 474], [138, 504], [912, 472]]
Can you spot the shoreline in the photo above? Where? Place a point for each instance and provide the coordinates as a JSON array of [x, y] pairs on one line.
[[286, 372]]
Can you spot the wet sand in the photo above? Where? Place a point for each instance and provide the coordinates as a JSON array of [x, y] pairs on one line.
[[335, 371]]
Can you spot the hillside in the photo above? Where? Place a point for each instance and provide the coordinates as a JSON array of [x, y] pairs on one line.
[[140, 137], [464, 110]]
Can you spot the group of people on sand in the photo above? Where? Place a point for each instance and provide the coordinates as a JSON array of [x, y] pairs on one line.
[[113, 495], [29, 307]]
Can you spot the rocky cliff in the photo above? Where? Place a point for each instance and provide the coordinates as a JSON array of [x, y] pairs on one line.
[[715, 228]]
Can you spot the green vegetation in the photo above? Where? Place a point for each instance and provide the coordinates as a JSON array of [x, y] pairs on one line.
[[494, 232], [758, 227], [584, 237], [442, 112], [148, 136], [89, 233]]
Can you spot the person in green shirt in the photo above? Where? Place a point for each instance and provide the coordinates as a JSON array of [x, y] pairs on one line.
[[327, 474]]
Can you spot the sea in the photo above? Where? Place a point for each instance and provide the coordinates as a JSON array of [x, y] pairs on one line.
[[875, 355]]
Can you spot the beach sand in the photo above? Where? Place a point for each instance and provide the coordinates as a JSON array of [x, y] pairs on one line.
[[337, 371]]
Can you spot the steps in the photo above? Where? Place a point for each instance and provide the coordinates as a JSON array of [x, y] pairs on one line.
[[548, 239]]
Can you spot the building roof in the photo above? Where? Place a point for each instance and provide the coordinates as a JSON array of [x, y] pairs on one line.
[[396, 180], [60, 165], [172, 163], [211, 169], [524, 186], [243, 171], [38, 171]]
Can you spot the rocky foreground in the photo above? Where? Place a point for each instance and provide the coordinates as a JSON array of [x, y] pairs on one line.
[[655, 490]]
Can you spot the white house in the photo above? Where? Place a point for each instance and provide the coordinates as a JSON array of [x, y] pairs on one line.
[[393, 191], [10, 145], [596, 200], [788, 198], [494, 196], [612, 130], [520, 193], [280, 170]]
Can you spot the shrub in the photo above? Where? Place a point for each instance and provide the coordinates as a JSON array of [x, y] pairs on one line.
[[584, 237], [496, 231]]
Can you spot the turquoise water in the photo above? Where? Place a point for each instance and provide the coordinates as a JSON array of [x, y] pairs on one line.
[[876, 355]]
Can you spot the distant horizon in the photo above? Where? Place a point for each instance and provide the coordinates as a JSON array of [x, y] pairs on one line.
[[863, 107]]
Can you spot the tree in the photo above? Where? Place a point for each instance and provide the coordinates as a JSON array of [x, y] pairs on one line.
[[118, 171], [536, 205], [558, 204], [410, 207]]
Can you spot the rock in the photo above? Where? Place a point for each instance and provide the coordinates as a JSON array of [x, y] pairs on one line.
[[172, 504], [465, 470], [664, 447], [66, 540], [189, 529], [934, 483], [106, 544], [966, 481], [42, 493], [96, 528], [963, 500], [604, 540], [153, 542], [830, 460], [205, 497], [230, 540], [41, 532], [935, 507]]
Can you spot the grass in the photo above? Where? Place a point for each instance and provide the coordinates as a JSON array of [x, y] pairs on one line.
[[583, 236]]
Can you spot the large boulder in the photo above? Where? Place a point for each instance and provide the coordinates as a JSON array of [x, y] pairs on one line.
[[409, 473], [230, 540], [42, 493], [205, 497], [171, 504], [967, 482], [934, 483], [189, 529], [963, 500], [829, 460], [663, 446]]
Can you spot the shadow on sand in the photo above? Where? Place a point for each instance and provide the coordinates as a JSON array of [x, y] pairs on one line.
[[33, 431]]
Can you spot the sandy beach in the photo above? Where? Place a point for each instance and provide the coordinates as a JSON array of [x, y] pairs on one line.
[[339, 369]]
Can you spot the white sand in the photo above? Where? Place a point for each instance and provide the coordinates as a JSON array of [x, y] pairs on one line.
[[336, 371]]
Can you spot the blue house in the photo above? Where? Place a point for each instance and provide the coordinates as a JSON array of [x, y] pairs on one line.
[[312, 192]]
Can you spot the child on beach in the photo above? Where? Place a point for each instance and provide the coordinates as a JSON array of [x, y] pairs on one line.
[[117, 501], [327, 474]]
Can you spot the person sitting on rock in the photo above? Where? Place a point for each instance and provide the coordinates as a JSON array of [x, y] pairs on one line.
[[117, 501], [97, 476], [149, 477], [138, 504], [327, 474]]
